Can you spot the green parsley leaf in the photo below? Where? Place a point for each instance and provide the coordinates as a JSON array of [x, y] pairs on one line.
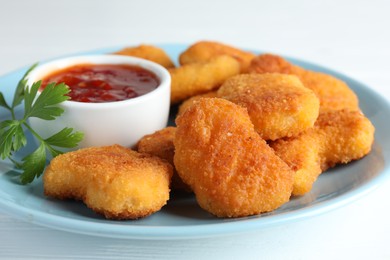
[[44, 106], [3, 103], [22, 85], [33, 164], [12, 137], [65, 138], [53, 152]]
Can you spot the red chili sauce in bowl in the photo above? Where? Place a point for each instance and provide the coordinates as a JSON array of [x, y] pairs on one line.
[[97, 83]]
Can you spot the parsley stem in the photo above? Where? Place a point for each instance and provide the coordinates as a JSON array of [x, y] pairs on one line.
[[13, 114], [41, 140], [33, 132]]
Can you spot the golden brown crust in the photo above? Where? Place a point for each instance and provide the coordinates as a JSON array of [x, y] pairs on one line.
[[348, 135], [148, 52], [333, 93], [232, 171], [112, 180], [187, 103], [303, 154], [339, 136], [205, 50], [198, 78], [160, 144], [279, 105]]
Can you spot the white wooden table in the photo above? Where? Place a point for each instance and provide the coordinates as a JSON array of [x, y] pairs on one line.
[[350, 36]]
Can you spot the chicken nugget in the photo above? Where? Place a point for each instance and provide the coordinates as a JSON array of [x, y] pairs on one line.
[[197, 78], [187, 103], [279, 105], [148, 52], [206, 50], [112, 180], [232, 171], [348, 135], [303, 154], [160, 144], [333, 93], [338, 136]]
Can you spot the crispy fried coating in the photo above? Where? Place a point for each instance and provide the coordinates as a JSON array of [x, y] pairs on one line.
[[205, 50], [278, 104], [348, 135], [112, 180], [148, 52], [303, 154], [160, 144], [197, 78], [187, 103], [333, 93], [232, 171], [339, 136]]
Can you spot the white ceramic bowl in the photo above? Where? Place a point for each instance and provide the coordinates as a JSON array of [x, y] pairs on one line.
[[120, 122]]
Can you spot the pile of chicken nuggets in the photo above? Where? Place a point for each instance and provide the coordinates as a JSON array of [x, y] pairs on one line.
[[251, 132]]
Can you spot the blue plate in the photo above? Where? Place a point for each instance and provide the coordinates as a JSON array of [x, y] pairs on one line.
[[182, 217]]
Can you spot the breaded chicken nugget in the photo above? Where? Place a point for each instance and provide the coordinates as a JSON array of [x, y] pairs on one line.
[[303, 154], [187, 103], [232, 171], [160, 144], [279, 105], [338, 136], [333, 93], [148, 52], [205, 50], [197, 78], [348, 135], [112, 180]]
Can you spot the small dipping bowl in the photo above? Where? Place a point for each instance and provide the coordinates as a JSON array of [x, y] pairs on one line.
[[119, 122]]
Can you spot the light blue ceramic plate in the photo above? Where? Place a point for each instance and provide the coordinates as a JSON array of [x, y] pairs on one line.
[[182, 217]]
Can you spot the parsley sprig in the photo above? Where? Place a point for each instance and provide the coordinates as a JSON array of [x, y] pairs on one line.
[[43, 106]]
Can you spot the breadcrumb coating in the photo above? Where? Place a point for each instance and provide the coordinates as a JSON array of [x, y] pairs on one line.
[[112, 180], [278, 105], [338, 137], [201, 77], [333, 93], [205, 50], [148, 52], [232, 171], [160, 144]]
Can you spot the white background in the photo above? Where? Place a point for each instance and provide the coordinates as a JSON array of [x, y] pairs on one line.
[[350, 36]]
